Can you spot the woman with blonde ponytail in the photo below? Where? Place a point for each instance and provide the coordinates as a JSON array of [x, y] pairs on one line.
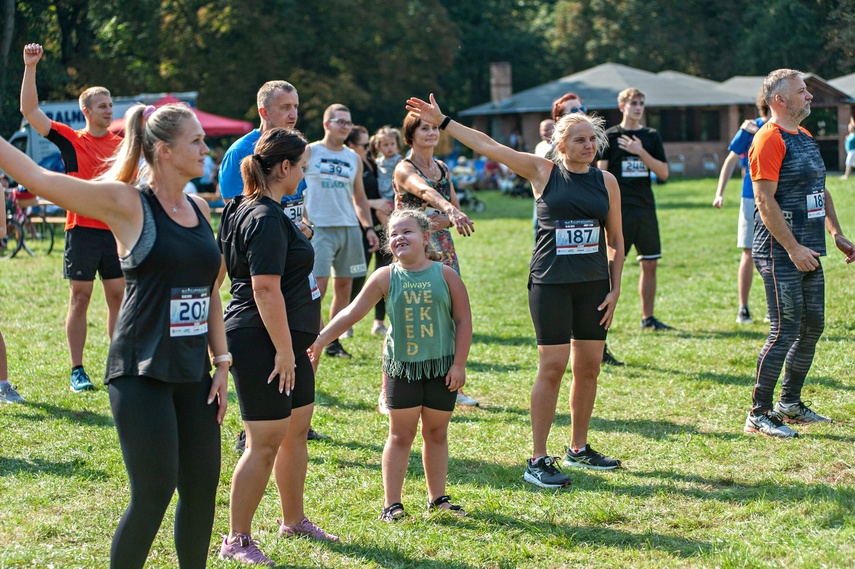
[[273, 317], [166, 404]]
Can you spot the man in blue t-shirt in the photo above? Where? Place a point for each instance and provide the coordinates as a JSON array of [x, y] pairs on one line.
[[738, 153], [278, 106]]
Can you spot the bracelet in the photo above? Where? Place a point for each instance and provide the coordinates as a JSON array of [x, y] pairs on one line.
[[445, 122], [367, 229], [227, 357]]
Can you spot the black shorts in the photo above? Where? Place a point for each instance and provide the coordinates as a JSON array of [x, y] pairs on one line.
[[431, 393], [641, 228], [89, 250], [253, 354], [564, 312]]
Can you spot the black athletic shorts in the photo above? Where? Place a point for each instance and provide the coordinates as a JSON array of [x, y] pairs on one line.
[[641, 228], [89, 250], [253, 354], [431, 393], [563, 312]]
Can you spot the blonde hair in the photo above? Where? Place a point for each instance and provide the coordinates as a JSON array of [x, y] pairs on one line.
[[143, 136], [85, 98], [432, 251], [561, 131], [383, 132]]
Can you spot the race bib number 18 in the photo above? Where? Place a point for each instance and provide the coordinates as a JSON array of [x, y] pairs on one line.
[[188, 311], [577, 237], [815, 205]]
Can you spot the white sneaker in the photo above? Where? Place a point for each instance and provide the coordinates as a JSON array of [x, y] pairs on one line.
[[800, 413], [463, 399], [379, 329], [9, 395], [769, 424]]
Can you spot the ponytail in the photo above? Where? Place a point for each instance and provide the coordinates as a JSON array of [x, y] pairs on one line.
[[123, 165]]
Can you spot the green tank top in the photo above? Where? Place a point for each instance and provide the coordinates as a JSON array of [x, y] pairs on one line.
[[420, 340]]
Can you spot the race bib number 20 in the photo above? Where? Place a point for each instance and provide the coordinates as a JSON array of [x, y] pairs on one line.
[[188, 311]]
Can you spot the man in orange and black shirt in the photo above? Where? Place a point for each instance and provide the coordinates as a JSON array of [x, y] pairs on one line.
[[89, 245], [792, 207]]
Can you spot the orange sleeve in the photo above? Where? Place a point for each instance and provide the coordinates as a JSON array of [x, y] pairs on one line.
[[766, 154]]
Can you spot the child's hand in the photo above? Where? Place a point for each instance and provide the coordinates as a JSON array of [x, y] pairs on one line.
[[456, 377], [314, 351]]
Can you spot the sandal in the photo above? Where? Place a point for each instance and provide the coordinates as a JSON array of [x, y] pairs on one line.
[[452, 508], [394, 513]]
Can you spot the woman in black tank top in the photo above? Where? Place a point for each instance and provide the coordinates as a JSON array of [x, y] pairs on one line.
[[574, 282], [158, 371]]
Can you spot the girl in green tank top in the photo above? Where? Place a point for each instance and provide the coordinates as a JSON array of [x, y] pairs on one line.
[[424, 357]]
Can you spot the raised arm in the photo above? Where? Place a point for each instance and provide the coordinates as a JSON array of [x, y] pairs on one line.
[[531, 167], [29, 96], [115, 203]]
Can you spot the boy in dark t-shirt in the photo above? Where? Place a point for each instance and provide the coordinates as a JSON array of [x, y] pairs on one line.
[[634, 152]]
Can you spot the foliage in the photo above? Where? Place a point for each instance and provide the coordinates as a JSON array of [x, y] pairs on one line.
[[696, 492], [372, 55]]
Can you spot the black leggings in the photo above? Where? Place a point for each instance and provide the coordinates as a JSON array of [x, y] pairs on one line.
[[796, 303], [170, 439]]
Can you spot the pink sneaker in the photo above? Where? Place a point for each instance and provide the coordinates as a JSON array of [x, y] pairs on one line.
[[306, 527], [245, 550]]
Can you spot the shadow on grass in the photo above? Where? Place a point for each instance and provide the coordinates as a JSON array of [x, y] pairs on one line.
[[393, 557], [69, 469], [492, 367], [504, 340], [726, 489], [747, 379], [592, 535], [53, 412]]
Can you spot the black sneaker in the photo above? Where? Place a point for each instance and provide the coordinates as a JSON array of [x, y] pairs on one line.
[[744, 316], [544, 473], [313, 435], [609, 359], [651, 323], [336, 350], [589, 458], [240, 443]]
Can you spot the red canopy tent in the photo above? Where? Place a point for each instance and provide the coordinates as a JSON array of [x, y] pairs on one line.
[[213, 125]]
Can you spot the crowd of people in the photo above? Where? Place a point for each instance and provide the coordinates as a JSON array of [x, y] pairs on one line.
[[299, 214]]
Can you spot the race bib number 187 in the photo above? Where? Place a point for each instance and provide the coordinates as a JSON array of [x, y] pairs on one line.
[[188, 311], [815, 205], [577, 237]]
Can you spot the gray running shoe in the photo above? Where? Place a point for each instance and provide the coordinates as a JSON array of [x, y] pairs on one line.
[[9, 395], [769, 424], [800, 413], [589, 458], [652, 323], [544, 473]]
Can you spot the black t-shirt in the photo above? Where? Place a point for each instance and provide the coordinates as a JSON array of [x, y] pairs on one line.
[[632, 174], [256, 238], [372, 188], [571, 239]]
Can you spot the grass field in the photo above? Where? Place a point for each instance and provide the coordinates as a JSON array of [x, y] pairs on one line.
[[695, 491]]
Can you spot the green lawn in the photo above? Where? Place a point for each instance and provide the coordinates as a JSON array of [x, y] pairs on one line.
[[696, 491]]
